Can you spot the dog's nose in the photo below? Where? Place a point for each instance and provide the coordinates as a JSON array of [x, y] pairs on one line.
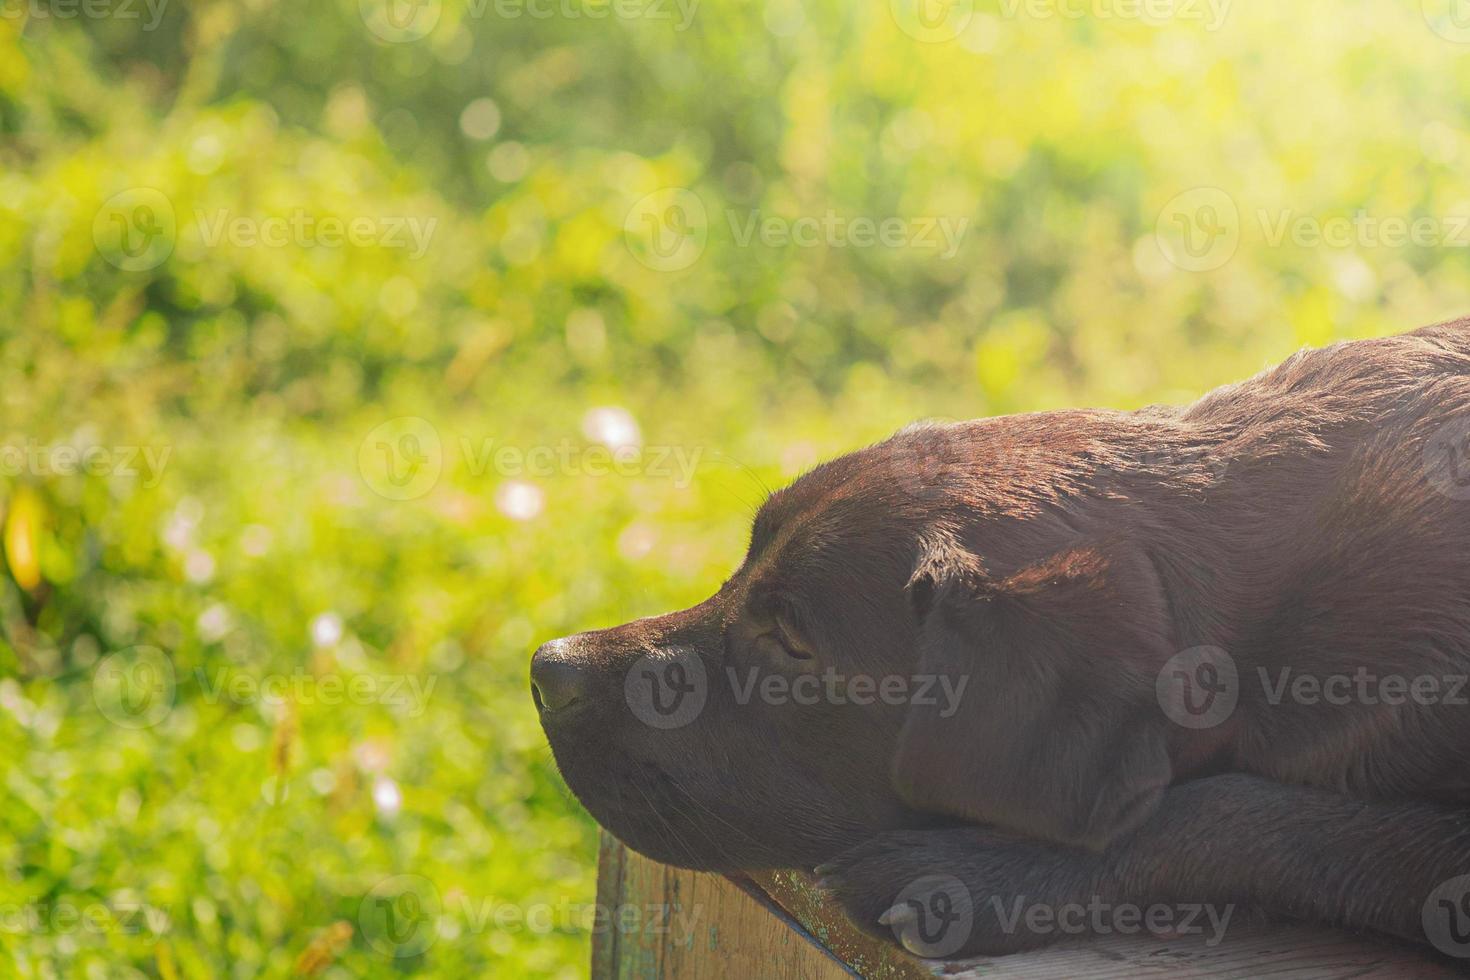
[[556, 680]]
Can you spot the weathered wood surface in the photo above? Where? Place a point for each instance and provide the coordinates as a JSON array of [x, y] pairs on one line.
[[777, 926], [722, 933], [1264, 954]]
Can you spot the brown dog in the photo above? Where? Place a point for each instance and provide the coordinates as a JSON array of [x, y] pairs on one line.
[[1210, 655]]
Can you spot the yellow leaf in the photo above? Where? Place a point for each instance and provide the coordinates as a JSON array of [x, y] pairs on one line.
[[163, 955], [22, 537], [322, 951]]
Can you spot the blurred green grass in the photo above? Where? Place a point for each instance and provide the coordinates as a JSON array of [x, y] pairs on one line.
[[286, 392]]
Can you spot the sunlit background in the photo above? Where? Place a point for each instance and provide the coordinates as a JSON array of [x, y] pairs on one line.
[[353, 348]]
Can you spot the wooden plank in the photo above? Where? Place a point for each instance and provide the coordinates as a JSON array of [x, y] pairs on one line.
[[715, 930], [1259, 953], [775, 924], [1269, 952], [870, 958]]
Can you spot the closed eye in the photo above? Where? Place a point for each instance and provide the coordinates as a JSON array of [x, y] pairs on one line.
[[784, 643]]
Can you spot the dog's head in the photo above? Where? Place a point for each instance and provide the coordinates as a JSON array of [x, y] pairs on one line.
[[923, 631]]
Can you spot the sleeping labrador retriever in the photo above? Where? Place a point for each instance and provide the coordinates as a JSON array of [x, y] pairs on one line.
[[1209, 655]]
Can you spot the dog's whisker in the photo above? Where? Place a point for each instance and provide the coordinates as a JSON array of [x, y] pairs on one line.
[[674, 835], [715, 843], [704, 808]]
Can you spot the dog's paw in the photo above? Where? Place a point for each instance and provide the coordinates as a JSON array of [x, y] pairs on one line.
[[944, 894]]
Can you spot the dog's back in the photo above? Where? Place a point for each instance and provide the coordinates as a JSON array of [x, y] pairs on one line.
[[1337, 540]]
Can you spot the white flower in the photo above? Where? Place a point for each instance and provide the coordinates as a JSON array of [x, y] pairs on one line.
[[519, 500], [612, 426]]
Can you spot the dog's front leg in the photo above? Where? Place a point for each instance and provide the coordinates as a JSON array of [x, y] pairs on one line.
[[967, 891], [1213, 849]]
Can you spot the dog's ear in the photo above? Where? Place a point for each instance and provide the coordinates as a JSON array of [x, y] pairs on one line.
[[1048, 721]]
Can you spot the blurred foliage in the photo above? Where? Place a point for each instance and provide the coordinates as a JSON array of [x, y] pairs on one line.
[[266, 541]]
